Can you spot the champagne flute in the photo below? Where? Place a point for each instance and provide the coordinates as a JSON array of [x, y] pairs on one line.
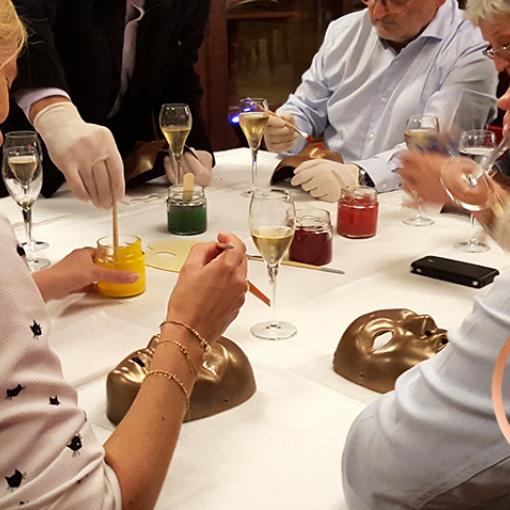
[[175, 121], [421, 134], [475, 144], [22, 174], [253, 118], [37, 245], [272, 221]]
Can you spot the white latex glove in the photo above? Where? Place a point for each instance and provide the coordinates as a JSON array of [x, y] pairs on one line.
[[279, 137], [199, 164], [325, 179], [85, 153]]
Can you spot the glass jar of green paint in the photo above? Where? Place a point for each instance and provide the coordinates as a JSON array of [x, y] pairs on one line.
[[186, 211]]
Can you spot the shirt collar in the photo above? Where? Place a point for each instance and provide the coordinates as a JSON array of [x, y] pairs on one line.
[[441, 25]]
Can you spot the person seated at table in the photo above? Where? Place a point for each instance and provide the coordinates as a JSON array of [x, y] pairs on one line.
[[92, 81], [50, 455], [375, 69], [435, 438]]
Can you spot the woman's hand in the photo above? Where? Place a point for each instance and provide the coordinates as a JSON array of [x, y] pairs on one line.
[[77, 273], [211, 287], [420, 173]]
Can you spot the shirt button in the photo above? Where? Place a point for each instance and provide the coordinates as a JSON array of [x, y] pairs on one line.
[[370, 136]]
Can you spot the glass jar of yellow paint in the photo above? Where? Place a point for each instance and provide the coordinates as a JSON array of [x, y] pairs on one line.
[[129, 257]]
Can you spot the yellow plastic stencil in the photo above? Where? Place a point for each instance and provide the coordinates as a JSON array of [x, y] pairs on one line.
[[168, 255]]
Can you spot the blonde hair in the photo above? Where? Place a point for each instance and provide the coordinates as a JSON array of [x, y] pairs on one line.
[[13, 35], [486, 10]]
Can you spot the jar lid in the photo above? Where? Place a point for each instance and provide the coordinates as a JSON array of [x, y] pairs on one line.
[[313, 218]]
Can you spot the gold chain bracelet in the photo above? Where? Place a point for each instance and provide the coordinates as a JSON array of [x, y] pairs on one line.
[[204, 344], [173, 378], [183, 351]]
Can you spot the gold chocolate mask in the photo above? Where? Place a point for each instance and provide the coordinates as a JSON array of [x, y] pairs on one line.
[[225, 380], [414, 338]]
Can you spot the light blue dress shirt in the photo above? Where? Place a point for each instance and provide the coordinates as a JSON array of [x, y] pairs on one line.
[[434, 442], [358, 92]]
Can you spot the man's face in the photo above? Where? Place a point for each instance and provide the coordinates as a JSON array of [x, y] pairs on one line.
[[497, 33], [400, 22], [7, 75]]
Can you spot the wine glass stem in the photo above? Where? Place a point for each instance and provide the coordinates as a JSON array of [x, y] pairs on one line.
[[273, 272], [472, 237], [178, 158], [419, 212], [27, 220], [254, 153]]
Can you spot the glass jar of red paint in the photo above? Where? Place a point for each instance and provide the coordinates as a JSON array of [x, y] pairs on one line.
[[357, 212], [312, 243]]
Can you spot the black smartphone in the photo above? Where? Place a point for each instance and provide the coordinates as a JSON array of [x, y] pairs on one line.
[[454, 271]]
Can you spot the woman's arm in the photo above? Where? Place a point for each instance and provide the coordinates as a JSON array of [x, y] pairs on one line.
[[208, 295]]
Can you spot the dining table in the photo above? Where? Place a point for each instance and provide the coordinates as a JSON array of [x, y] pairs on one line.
[[282, 448]]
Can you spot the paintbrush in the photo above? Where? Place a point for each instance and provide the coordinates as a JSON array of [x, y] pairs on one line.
[[251, 287], [300, 265]]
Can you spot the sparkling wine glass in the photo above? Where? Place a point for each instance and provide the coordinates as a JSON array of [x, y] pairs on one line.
[[22, 175], [475, 144], [253, 118], [272, 221], [175, 121], [421, 134]]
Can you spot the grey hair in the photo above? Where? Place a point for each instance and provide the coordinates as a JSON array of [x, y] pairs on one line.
[[485, 10]]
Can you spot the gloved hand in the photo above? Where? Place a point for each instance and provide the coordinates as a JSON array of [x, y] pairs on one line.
[[85, 153], [199, 163], [325, 179], [279, 137]]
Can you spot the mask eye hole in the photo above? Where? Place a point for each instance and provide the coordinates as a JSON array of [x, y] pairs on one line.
[[382, 339], [138, 361]]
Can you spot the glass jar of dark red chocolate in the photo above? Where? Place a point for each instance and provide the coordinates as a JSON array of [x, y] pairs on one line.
[[357, 212], [312, 243]]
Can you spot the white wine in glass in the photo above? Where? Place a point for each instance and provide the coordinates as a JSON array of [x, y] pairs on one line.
[[22, 175], [253, 118], [272, 221], [272, 242], [421, 134], [175, 121]]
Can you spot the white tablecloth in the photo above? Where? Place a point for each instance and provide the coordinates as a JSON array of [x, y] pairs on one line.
[[280, 450]]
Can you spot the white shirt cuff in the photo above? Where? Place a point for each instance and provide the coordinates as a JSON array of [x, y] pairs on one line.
[[27, 97]]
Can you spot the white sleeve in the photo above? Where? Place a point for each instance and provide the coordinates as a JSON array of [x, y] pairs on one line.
[[50, 456], [26, 98], [436, 433]]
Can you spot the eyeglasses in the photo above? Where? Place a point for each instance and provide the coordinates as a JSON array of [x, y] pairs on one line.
[[501, 52], [390, 5]]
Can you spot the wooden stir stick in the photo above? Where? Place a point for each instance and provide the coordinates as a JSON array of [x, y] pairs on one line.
[[188, 182], [115, 222]]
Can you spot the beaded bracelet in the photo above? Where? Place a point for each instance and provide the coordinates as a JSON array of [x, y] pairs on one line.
[[183, 350], [204, 344], [175, 379]]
